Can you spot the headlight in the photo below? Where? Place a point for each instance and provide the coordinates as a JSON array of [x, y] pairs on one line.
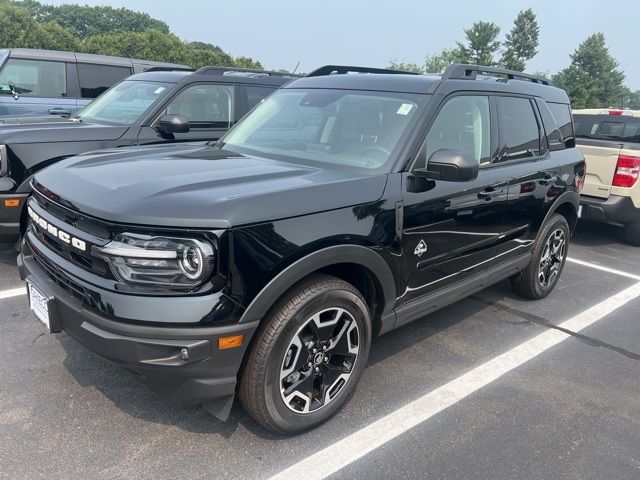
[[178, 263]]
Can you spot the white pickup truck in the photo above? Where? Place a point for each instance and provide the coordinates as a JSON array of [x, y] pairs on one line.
[[610, 142]]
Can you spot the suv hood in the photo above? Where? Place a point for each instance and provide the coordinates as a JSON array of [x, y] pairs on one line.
[[58, 130], [200, 187]]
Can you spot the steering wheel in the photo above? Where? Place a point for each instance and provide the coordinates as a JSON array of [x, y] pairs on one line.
[[375, 149]]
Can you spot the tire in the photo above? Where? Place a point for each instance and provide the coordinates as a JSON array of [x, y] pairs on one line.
[[312, 315], [632, 233], [552, 245]]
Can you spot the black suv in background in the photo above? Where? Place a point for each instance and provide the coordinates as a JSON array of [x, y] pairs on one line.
[[348, 203], [148, 108], [49, 82]]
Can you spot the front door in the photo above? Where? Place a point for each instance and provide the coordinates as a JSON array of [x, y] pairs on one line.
[[450, 230]]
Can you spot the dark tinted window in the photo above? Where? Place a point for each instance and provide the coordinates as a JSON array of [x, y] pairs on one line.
[[95, 79], [520, 129], [35, 78], [552, 131], [256, 94], [562, 113], [614, 127]]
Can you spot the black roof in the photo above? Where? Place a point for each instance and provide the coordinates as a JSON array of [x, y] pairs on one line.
[[216, 74], [457, 77]]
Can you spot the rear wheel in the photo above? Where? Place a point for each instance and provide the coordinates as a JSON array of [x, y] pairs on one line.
[[542, 273], [632, 233], [308, 356]]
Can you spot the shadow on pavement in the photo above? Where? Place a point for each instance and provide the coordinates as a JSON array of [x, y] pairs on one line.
[[591, 234]]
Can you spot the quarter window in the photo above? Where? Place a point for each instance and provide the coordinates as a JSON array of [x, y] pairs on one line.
[[95, 79], [562, 114], [520, 128], [462, 124], [35, 78], [205, 106]]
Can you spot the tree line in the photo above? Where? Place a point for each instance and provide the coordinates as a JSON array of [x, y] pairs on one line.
[[593, 79], [104, 30]]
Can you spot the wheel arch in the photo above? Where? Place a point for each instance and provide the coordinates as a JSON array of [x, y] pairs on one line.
[[566, 205], [356, 264]]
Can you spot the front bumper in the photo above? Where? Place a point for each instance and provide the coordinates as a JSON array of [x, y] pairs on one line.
[[151, 352], [615, 209], [10, 216]]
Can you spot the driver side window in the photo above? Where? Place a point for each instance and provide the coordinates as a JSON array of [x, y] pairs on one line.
[[205, 106], [462, 124]]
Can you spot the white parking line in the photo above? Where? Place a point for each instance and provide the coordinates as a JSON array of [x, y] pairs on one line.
[[14, 292], [604, 269], [355, 446]]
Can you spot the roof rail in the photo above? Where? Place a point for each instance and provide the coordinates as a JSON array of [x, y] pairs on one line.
[[461, 71], [222, 70], [342, 69], [169, 69]]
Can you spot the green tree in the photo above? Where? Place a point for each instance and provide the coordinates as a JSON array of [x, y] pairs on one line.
[[482, 44], [521, 43], [439, 62], [150, 45], [86, 21], [17, 28], [593, 80], [53, 36], [405, 67]]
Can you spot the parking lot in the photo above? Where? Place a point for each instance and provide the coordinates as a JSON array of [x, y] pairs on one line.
[[492, 387]]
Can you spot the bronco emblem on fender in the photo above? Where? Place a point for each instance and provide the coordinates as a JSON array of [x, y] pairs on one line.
[[420, 249]]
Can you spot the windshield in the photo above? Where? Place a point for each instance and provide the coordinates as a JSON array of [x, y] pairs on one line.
[[124, 103], [608, 127], [342, 127]]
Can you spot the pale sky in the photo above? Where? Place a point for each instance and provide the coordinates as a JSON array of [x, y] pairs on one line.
[[280, 33]]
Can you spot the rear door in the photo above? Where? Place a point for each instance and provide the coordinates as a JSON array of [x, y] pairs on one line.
[[602, 138]]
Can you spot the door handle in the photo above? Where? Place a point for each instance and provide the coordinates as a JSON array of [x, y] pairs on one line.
[[59, 111], [489, 194]]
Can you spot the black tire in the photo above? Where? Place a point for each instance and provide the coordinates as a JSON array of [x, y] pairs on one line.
[[262, 388], [531, 282], [632, 233]]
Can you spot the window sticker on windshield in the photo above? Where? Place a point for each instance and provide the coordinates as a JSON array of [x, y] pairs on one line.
[[404, 109], [159, 90]]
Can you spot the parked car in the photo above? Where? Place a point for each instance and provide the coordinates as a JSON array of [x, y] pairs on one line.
[[610, 141], [345, 205], [48, 82], [147, 108]]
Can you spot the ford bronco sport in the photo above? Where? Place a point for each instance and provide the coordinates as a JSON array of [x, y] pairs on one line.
[[348, 203], [610, 141], [154, 107]]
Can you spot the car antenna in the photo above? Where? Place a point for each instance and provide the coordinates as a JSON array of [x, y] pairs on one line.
[[297, 65]]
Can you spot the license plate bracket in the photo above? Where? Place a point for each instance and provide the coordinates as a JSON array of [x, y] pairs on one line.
[[42, 304]]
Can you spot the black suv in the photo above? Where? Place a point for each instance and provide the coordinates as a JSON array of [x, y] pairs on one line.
[[154, 107], [348, 203]]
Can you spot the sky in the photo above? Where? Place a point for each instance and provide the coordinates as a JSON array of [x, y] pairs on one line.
[[281, 33]]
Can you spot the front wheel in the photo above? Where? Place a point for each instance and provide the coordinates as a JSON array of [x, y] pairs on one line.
[[307, 356], [549, 255]]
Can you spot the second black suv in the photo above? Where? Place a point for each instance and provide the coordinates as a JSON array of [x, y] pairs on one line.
[[148, 108], [348, 203]]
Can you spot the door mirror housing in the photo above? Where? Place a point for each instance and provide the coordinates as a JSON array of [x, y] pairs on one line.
[[172, 124], [449, 165]]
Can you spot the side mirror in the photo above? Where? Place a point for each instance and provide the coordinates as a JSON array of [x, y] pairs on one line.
[[172, 124], [449, 165]]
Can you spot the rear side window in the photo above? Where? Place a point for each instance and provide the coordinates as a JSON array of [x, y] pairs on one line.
[[35, 78], [562, 113], [608, 127], [552, 131], [462, 124], [521, 132], [95, 79], [256, 94]]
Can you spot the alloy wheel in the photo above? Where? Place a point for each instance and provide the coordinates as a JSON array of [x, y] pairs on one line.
[[552, 258]]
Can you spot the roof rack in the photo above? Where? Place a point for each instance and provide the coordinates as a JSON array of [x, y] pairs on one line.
[[460, 71], [221, 70], [169, 69], [342, 69]]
